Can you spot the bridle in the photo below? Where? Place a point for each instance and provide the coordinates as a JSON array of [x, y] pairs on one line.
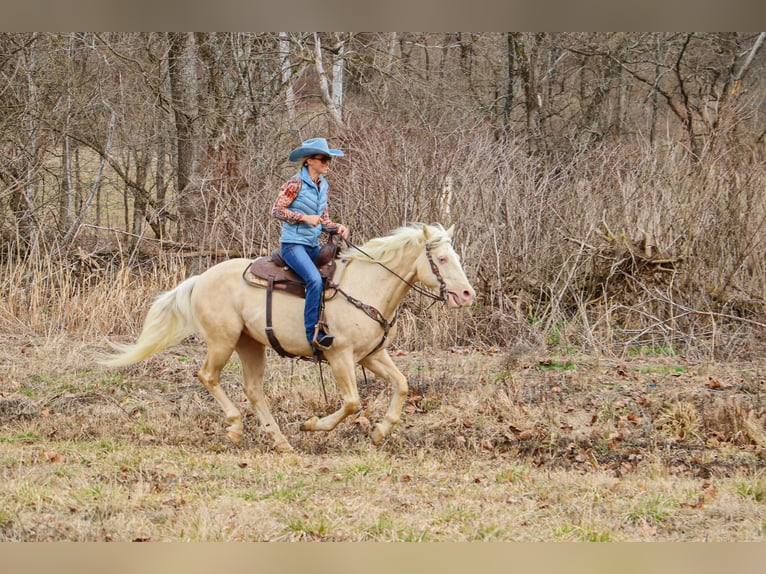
[[376, 315], [434, 269]]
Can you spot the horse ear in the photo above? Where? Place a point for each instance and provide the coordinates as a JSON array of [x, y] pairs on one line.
[[451, 230]]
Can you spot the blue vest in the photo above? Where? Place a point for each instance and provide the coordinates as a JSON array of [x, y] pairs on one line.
[[309, 201]]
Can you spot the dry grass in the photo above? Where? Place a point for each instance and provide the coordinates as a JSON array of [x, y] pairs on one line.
[[494, 445]]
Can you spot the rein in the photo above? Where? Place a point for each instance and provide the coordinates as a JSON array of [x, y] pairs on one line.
[[376, 315], [434, 269]]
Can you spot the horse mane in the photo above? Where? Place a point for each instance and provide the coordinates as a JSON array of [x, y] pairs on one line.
[[391, 247]]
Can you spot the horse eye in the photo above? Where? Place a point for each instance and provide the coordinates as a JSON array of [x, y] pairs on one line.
[[442, 259]]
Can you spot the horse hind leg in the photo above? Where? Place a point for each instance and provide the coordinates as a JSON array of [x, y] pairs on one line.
[[210, 376], [253, 357]]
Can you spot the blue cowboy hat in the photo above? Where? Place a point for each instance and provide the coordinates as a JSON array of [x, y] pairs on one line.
[[313, 146]]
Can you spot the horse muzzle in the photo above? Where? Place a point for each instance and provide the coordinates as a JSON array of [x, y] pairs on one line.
[[461, 298]]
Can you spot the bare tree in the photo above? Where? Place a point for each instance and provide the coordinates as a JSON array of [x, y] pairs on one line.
[[182, 67], [333, 100]]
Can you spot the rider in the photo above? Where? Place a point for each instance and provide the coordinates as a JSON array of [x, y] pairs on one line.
[[302, 207]]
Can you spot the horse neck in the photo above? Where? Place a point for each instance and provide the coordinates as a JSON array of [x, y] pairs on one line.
[[389, 290]]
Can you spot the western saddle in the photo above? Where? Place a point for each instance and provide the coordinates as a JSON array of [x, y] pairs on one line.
[[271, 272]]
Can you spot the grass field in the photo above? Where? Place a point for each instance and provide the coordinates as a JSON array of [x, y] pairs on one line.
[[492, 446]]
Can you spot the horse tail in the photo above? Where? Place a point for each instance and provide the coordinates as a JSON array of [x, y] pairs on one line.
[[170, 320]]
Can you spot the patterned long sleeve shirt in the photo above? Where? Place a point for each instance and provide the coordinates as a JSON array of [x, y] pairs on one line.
[[287, 194]]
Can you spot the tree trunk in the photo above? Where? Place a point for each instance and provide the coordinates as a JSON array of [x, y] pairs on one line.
[[508, 100], [324, 88], [27, 222], [284, 62], [184, 91], [526, 66], [338, 67]]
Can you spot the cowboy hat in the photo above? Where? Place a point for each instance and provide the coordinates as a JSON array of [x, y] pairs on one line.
[[312, 147]]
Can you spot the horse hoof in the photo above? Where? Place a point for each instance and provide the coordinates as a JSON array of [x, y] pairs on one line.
[[310, 424], [283, 447], [377, 435], [234, 437]]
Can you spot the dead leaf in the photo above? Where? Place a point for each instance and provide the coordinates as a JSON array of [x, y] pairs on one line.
[[700, 503], [461, 350], [415, 398], [525, 435], [53, 456], [557, 390], [717, 385], [489, 351], [363, 422]]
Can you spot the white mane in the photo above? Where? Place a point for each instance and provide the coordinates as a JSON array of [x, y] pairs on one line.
[[392, 246]]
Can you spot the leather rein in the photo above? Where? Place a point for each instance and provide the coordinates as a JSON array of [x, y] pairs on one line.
[[376, 315], [434, 269]]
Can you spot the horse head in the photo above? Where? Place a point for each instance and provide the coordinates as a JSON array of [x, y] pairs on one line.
[[439, 267]]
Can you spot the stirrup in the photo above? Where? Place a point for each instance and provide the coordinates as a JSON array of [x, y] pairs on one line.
[[327, 340]]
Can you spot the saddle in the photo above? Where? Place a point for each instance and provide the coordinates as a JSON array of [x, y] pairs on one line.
[[272, 272]]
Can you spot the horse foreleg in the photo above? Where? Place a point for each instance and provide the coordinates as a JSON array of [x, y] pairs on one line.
[[210, 376], [253, 357], [381, 364], [345, 380]]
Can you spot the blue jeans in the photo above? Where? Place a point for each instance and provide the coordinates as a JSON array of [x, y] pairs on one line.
[[301, 258]]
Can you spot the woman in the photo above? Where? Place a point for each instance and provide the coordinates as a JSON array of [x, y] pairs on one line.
[[302, 207]]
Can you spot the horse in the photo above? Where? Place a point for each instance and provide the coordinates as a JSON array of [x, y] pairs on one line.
[[230, 315]]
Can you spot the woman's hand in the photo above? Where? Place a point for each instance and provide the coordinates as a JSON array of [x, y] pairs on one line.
[[342, 231]]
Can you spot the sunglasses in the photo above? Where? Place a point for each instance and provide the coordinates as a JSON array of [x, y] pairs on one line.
[[322, 158]]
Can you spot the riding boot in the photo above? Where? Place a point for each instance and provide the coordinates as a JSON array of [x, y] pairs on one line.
[[321, 340]]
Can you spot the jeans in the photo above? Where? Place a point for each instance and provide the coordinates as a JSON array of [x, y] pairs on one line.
[[301, 258]]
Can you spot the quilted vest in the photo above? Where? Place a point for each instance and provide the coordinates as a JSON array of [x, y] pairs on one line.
[[310, 201]]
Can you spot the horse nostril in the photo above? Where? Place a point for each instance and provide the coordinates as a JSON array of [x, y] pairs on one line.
[[467, 295]]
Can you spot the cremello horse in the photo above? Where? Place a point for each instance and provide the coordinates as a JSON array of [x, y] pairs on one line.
[[230, 315]]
